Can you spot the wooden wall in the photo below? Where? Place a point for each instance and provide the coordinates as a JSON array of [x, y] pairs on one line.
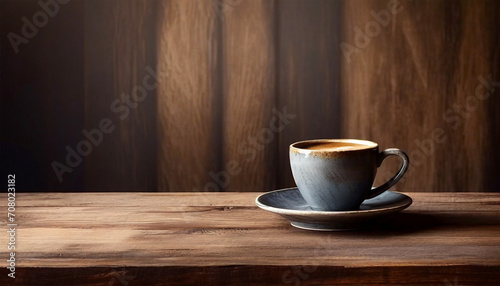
[[417, 85], [193, 90], [188, 102], [309, 74], [42, 95], [119, 50], [233, 67]]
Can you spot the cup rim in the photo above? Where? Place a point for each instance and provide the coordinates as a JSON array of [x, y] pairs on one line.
[[369, 145]]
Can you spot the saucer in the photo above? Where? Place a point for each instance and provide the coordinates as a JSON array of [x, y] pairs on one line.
[[290, 204]]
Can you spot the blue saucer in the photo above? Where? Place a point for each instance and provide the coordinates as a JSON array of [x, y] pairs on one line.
[[290, 204]]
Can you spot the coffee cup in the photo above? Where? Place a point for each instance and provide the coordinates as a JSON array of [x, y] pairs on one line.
[[338, 174]]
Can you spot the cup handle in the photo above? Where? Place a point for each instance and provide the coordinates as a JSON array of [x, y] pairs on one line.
[[381, 156]]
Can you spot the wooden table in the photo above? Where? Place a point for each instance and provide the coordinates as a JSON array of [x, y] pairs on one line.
[[223, 238]]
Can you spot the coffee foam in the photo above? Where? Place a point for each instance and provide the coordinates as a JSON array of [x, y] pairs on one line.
[[335, 146]]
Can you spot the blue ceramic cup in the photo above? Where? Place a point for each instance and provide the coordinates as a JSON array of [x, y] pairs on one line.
[[338, 174]]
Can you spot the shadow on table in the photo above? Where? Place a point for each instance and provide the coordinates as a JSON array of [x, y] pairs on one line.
[[408, 222], [403, 223]]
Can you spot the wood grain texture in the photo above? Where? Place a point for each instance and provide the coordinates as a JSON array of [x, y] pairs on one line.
[[222, 66], [119, 54], [487, 28], [188, 102], [42, 94], [249, 95], [161, 237], [260, 275], [309, 79], [414, 84]]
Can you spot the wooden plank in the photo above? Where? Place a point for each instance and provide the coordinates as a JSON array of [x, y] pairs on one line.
[[433, 201], [120, 63], [42, 93], [87, 230], [490, 133], [309, 79], [412, 84], [248, 96], [188, 103], [260, 275], [100, 235]]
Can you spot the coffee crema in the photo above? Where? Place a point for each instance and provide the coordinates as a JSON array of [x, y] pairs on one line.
[[335, 146]]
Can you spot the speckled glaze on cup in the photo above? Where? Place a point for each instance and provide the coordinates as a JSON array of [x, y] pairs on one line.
[[340, 179]]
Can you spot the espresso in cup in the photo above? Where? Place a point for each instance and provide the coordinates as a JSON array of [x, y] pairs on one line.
[[338, 174], [334, 146]]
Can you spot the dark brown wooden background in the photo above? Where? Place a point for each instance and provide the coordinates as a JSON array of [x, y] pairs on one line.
[[226, 67]]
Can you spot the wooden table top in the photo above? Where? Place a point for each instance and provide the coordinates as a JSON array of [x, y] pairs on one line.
[[224, 238]]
